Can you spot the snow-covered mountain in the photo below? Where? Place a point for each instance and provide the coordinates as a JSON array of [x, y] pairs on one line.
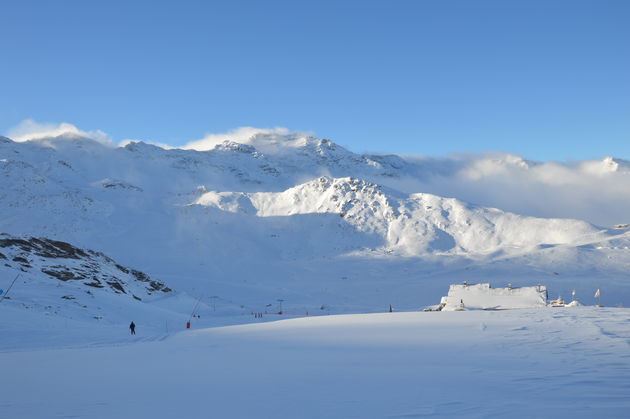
[[410, 225], [294, 217]]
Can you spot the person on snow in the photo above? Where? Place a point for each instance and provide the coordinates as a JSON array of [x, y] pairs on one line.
[[132, 327]]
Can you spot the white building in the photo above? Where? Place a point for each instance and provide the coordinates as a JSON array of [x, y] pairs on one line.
[[484, 297]]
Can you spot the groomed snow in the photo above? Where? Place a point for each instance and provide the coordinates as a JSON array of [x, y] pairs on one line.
[[521, 363]]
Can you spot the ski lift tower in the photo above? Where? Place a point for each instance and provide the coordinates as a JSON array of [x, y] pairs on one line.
[[214, 302], [280, 301]]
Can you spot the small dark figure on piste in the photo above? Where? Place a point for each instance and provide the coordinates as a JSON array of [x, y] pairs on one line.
[[132, 327]]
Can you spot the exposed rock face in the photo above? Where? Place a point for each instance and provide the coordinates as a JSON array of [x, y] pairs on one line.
[[64, 262]]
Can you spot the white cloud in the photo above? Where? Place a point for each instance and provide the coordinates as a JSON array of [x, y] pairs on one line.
[[242, 135], [592, 190], [266, 139], [32, 130]]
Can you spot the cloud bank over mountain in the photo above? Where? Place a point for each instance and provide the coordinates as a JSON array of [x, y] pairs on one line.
[[32, 130], [241, 135], [592, 190]]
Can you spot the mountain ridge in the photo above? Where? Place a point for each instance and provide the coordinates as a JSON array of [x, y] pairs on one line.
[[234, 210]]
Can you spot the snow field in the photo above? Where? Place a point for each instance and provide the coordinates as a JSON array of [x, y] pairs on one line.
[[521, 363]]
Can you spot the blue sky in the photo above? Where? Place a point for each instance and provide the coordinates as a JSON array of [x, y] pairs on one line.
[[543, 79]]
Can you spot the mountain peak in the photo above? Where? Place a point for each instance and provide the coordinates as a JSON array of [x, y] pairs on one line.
[[141, 146], [616, 165], [277, 143], [228, 145], [70, 140]]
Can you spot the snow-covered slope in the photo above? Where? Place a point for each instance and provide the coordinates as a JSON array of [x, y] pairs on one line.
[[295, 218], [54, 277], [518, 364], [413, 225]]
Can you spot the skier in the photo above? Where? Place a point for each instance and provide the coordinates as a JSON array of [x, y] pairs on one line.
[[132, 327]]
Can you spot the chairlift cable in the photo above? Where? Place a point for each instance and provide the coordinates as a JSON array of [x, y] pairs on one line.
[[9, 289]]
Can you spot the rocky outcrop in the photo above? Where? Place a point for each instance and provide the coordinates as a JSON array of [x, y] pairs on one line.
[[61, 261]]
